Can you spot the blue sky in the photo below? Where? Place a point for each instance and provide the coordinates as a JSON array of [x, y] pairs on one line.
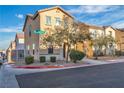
[[12, 17]]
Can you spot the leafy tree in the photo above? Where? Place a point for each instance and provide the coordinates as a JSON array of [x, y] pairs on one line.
[[70, 32], [103, 41]]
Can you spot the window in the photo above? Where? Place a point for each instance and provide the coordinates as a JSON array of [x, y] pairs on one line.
[[102, 33], [110, 33], [28, 47], [28, 52], [20, 54], [50, 50], [48, 20], [95, 33], [33, 46], [33, 51], [30, 31], [58, 22], [57, 11], [65, 24]]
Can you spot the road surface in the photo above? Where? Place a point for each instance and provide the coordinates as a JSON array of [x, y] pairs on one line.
[[101, 76]]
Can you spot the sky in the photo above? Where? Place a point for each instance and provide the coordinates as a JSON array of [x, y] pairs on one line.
[[12, 17]]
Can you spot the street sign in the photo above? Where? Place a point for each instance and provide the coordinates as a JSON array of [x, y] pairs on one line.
[[38, 31]]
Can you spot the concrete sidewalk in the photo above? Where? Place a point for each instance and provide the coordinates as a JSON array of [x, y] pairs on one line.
[[7, 75], [94, 62]]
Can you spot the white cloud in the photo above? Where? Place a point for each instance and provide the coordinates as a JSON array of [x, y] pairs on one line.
[[119, 24], [92, 9], [107, 18], [20, 16], [12, 29]]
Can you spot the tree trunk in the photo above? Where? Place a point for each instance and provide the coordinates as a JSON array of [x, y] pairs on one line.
[[96, 55], [67, 53]]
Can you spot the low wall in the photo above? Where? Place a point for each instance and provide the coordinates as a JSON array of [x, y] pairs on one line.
[[58, 53]]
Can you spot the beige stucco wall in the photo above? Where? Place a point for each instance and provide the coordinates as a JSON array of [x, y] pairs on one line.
[[99, 32], [120, 40], [107, 32], [9, 52], [53, 14], [110, 29]]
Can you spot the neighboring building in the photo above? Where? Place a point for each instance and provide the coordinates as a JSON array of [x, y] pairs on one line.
[[45, 19], [15, 52], [96, 31], [11, 54], [86, 46], [120, 40], [111, 46], [19, 41], [2, 54]]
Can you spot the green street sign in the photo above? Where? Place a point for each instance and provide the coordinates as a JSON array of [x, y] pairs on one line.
[[38, 31]]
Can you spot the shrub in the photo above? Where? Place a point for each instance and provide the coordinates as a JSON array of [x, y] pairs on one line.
[[76, 55], [118, 53], [42, 59], [29, 60], [53, 59]]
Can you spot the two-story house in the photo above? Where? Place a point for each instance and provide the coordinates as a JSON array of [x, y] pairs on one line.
[[110, 31], [44, 20], [120, 40], [96, 31], [19, 41]]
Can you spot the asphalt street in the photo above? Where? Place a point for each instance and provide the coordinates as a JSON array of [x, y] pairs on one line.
[[101, 76]]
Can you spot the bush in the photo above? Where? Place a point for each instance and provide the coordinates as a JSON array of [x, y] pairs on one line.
[[118, 53], [53, 59], [42, 59], [76, 55], [29, 60]]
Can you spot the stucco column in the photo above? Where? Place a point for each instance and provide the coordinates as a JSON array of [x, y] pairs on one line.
[[61, 53]]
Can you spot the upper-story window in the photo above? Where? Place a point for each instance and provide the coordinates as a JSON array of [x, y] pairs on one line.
[[65, 24], [33, 45], [58, 21], [28, 47], [102, 33], [95, 34], [110, 33], [30, 30], [21, 41], [48, 20]]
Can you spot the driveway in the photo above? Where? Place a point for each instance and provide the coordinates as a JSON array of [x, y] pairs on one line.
[[102, 76]]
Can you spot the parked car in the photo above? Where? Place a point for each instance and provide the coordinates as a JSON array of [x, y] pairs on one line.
[[1, 62]]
